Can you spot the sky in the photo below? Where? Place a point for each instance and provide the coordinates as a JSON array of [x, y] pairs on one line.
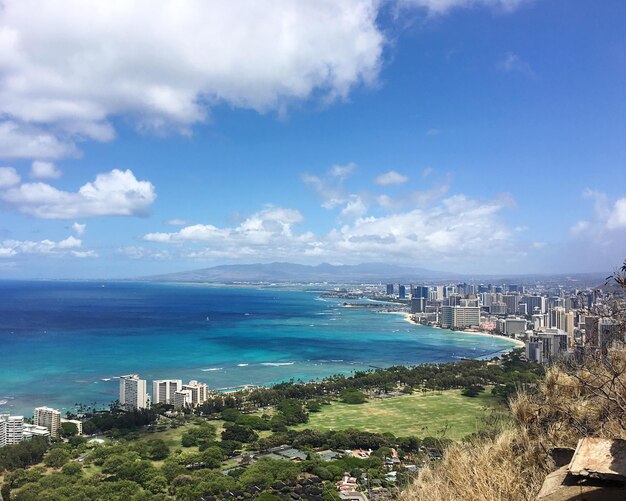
[[471, 136]]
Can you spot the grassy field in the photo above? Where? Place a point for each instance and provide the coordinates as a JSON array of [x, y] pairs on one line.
[[443, 413]]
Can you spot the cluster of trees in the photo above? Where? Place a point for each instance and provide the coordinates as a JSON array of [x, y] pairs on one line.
[[23, 454], [513, 372]]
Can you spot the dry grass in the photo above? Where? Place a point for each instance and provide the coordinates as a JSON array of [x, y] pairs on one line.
[[509, 467], [572, 402]]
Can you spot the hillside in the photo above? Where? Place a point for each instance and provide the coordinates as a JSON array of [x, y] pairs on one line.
[[290, 272]]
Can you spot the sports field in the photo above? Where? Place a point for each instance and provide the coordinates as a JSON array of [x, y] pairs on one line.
[[439, 414]]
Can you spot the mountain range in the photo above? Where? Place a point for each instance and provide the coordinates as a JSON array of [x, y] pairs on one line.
[[290, 272]]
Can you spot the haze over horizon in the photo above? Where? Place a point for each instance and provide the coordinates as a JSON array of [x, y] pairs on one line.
[[437, 134]]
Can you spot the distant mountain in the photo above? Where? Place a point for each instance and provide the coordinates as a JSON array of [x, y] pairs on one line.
[[290, 272]]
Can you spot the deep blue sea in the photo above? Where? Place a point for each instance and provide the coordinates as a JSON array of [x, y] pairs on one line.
[[65, 342]]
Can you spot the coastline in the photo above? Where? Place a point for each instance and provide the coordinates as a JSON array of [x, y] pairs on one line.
[[408, 318]]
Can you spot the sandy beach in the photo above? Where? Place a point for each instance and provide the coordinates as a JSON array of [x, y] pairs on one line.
[[408, 318]]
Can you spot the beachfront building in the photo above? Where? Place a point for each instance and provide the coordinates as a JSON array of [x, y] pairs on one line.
[[163, 390], [32, 430], [48, 418], [199, 392], [11, 428], [460, 317], [514, 326], [133, 392], [182, 398]]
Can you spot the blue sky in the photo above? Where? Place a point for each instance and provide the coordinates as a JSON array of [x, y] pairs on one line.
[[481, 136]]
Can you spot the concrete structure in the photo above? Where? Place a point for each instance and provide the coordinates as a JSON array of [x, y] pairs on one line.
[[133, 392], [608, 333], [183, 398], [390, 289], [11, 429], [163, 390], [32, 430], [513, 326], [546, 347], [459, 317], [199, 392], [401, 291], [50, 419]]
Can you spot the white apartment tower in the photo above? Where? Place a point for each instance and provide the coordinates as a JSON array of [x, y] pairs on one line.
[[133, 393], [182, 398], [48, 418], [163, 390], [459, 317], [199, 392], [11, 429]]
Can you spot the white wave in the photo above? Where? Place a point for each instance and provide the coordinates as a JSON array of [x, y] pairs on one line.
[[277, 364], [3, 402], [212, 369], [106, 379], [242, 365], [337, 360]]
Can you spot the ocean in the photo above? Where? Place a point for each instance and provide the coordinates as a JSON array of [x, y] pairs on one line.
[[63, 343]]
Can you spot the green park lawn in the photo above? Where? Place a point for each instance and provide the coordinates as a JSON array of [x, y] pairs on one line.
[[444, 414]]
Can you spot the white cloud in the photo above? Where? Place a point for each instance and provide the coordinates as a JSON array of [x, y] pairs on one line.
[[354, 208], [444, 6], [8, 177], [391, 177], [456, 230], [136, 252], [78, 228], [330, 187], [71, 246], [44, 170], [265, 227], [115, 193], [178, 222], [27, 141], [70, 66], [85, 254], [514, 63], [617, 217]]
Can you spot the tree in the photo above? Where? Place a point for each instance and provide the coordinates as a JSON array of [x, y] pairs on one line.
[[353, 397], [68, 430], [56, 458], [72, 469], [239, 433]]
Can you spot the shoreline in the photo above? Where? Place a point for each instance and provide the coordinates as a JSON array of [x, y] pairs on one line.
[[408, 318]]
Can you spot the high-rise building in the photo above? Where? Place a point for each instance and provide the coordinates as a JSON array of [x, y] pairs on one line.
[[133, 393], [199, 392], [11, 429], [183, 398], [48, 418], [511, 301], [515, 326], [459, 317], [401, 291], [535, 304], [163, 390], [390, 289], [546, 347], [608, 333], [421, 291], [591, 330]]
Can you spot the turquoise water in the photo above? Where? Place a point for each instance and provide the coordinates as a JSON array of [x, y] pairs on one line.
[[65, 342]]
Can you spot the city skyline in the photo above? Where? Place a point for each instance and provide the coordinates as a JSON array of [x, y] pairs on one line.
[[428, 133]]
